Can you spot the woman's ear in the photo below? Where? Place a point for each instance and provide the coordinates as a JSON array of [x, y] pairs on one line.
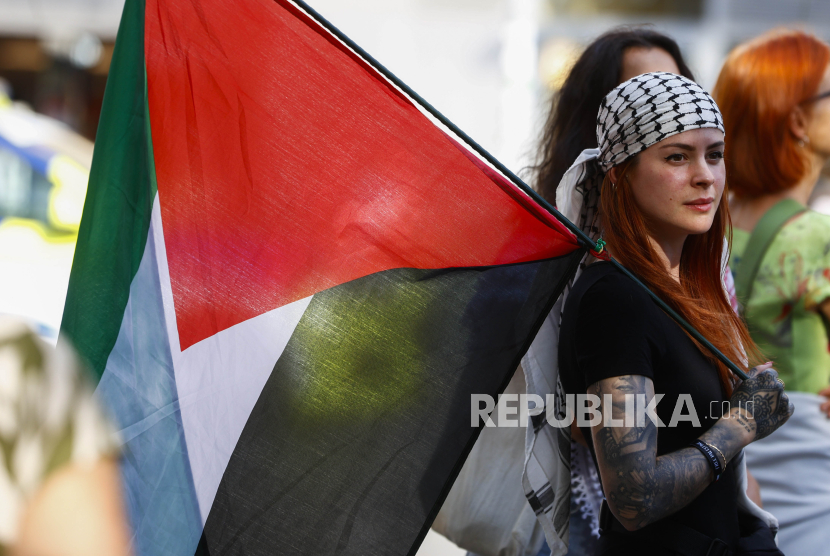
[[798, 124], [614, 174]]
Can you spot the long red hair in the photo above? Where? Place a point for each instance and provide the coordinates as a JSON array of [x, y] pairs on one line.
[[700, 297], [759, 86]]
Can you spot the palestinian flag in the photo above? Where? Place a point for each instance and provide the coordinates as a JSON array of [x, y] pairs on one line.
[[290, 279]]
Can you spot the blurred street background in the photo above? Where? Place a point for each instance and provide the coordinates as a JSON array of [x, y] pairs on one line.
[[490, 66]]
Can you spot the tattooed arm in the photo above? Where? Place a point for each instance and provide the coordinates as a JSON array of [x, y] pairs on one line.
[[641, 487]]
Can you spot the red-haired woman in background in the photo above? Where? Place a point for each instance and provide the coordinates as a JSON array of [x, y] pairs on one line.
[[774, 93]]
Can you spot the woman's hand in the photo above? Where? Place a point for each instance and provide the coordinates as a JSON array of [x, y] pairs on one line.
[[759, 404], [825, 407]]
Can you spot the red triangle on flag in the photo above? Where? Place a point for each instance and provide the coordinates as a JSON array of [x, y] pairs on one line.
[[286, 165]]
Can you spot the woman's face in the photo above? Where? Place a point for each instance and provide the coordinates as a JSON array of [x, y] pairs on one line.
[[678, 183], [817, 127], [638, 60]]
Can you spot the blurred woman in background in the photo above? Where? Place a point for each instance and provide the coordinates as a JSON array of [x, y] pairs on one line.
[[775, 96]]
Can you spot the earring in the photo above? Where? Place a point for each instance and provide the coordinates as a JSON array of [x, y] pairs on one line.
[[803, 141]]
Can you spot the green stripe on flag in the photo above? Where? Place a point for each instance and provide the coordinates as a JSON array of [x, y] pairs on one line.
[[118, 204]]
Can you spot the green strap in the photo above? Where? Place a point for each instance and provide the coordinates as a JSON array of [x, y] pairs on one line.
[[759, 242]]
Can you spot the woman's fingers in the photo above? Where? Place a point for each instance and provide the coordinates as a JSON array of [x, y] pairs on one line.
[[761, 368], [790, 408], [766, 375], [769, 379]]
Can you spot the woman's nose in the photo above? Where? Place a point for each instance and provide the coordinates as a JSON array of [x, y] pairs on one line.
[[704, 177]]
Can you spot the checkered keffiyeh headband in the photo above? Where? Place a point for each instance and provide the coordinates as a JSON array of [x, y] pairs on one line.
[[648, 108], [635, 115]]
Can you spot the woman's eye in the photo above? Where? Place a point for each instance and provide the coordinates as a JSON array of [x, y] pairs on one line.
[[716, 155], [677, 157]]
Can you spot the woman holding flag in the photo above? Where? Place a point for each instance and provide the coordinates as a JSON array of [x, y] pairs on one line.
[[664, 214], [612, 58]]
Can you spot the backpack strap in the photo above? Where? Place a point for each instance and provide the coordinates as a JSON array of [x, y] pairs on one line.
[[759, 242]]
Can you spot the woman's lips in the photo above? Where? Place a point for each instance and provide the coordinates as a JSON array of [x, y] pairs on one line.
[[701, 205]]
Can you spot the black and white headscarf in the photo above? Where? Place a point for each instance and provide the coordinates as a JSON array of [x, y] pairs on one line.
[[648, 108], [637, 114]]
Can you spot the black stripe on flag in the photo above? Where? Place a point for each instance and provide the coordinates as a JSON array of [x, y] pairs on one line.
[[364, 422]]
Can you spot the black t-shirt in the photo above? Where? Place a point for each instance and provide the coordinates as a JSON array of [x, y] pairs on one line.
[[611, 327]]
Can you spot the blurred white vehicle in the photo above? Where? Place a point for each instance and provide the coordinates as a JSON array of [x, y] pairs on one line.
[[44, 169]]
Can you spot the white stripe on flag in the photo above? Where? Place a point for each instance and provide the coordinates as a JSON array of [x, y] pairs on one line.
[[138, 386], [217, 383], [220, 378]]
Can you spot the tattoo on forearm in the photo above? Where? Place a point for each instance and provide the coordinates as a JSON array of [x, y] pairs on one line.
[[641, 487], [742, 419]]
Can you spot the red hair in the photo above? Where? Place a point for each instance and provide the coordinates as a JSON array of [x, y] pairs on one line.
[[700, 297], [760, 84]]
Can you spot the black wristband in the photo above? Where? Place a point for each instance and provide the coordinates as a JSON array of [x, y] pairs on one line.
[[710, 454]]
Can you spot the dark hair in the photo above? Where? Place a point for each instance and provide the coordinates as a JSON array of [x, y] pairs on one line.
[[572, 121]]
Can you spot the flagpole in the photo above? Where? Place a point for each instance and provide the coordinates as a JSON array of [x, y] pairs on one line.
[[582, 238]]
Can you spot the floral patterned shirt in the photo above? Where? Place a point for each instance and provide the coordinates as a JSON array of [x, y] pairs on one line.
[[782, 312]]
